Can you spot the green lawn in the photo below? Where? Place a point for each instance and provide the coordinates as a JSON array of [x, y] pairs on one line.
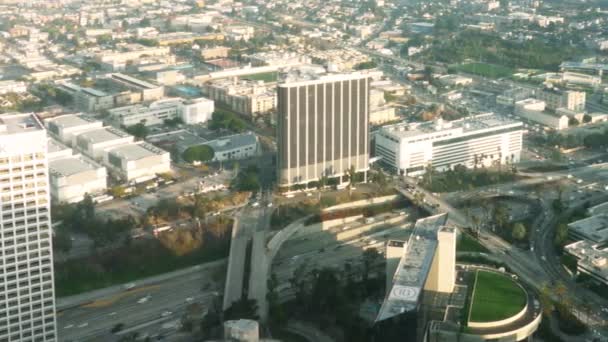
[[466, 243], [266, 77], [495, 297], [486, 70]]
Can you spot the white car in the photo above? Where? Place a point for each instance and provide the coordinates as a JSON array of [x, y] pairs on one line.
[[255, 204], [143, 300], [269, 205], [166, 313], [129, 286]]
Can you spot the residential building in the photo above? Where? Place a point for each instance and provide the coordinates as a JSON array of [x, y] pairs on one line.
[[73, 177], [455, 80], [252, 98], [137, 162], [410, 148], [323, 127], [214, 52], [26, 273], [118, 60], [238, 146], [556, 98], [12, 87], [534, 110]]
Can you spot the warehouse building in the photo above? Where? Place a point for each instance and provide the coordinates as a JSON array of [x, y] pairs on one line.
[[138, 162], [66, 127], [94, 143], [73, 177]]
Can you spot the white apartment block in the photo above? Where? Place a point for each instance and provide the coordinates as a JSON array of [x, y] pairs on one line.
[[410, 148], [138, 162], [189, 111], [27, 300], [245, 97]]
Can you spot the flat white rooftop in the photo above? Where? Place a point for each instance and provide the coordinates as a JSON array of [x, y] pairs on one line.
[[55, 146], [463, 126], [19, 123], [136, 151], [104, 134], [66, 167], [71, 120]]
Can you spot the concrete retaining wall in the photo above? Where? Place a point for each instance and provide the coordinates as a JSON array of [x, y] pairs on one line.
[[365, 202]]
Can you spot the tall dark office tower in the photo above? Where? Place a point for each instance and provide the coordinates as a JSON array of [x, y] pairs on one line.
[[323, 127]]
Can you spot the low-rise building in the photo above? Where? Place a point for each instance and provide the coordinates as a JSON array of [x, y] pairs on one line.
[[66, 127], [238, 146], [137, 162], [410, 148], [534, 110], [191, 112], [94, 143], [455, 80], [12, 87], [118, 60], [88, 99], [214, 52], [383, 114], [73, 177], [148, 90], [592, 259], [593, 229]]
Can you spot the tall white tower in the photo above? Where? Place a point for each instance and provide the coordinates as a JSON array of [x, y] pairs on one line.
[[27, 298]]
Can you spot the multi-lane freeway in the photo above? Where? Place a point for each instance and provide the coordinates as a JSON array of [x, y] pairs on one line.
[[149, 306]]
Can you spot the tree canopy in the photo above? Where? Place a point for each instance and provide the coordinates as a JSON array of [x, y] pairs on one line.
[[201, 153]]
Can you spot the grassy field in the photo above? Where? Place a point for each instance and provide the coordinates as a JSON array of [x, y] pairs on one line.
[[486, 70], [496, 297], [468, 244], [266, 77]]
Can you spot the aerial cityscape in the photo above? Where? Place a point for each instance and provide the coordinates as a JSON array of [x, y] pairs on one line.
[[304, 171]]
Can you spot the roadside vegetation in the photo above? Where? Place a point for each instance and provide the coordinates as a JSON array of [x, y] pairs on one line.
[[484, 69], [461, 178]]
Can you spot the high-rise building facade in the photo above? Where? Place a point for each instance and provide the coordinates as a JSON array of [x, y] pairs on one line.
[[27, 304], [323, 126]]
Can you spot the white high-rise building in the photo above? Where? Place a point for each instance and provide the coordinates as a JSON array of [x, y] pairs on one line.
[[27, 304]]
